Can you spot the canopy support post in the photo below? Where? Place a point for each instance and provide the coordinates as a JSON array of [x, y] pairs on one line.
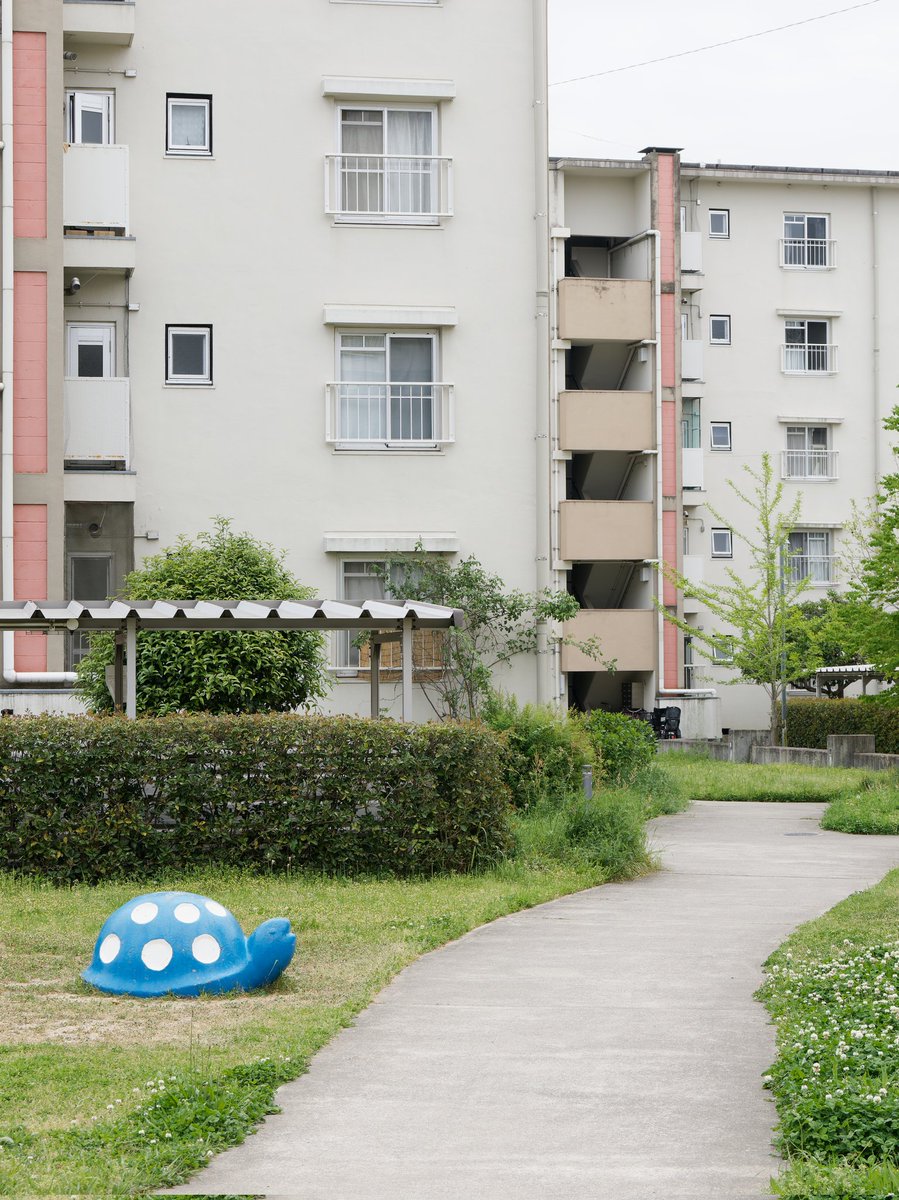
[[131, 668], [407, 669], [375, 647]]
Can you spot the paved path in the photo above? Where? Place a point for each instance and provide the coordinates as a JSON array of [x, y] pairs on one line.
[[602, 1047]]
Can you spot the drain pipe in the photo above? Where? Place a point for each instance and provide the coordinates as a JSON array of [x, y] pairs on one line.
[[657, 396], [7, 243]]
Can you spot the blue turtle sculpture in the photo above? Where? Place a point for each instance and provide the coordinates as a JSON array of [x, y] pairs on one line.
[[182, 944]]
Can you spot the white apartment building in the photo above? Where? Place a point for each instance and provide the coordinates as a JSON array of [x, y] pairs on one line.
[[296, 276], [786, 343]]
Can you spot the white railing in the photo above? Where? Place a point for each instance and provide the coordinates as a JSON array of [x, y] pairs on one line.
[[97, 422], [809, 464], [801, 359], [819, 569], [384, 187], [390, 415], [807, 252], [95, 187]]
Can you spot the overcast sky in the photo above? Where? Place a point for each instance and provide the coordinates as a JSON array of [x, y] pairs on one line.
[[823, 94]]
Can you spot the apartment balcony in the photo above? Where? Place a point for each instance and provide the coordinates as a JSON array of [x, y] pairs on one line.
[[691, 251], [809, 253], [809, 465], [97, 424], [95, 187], [390, 416], [591, 421], [691, 468], [821, 570], [605, 310], [810, 359], [103, 22], [691, 359], [694, 572], [629, 636], [607, 530], [381, 188]]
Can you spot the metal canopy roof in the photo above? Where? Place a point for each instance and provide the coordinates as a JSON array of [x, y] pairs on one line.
[[389, 621], [226, 614]]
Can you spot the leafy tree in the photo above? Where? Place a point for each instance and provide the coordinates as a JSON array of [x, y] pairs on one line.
[[500, 624], [211, 671], [827, 633], [759, 615], [877, 586]]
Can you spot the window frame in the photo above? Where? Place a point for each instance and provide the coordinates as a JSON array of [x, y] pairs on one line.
[[195, 99], [715, 212], [828, 357], [808, 244], [344, 215], [719, 341], [392, 445], [173, 380], [729, 552], [73, 115], [718, 449], [722, 649], [828, 556]]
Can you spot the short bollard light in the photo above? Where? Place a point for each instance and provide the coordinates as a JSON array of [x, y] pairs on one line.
[[587, 777], [182, 944]]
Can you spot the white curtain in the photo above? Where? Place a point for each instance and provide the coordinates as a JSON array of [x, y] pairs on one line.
[[409, 167]]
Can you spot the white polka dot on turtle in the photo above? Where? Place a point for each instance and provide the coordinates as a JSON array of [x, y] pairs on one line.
[[205, 948], [187, 913], [215, 908], [109, 948], [156, 954], [143, 914]]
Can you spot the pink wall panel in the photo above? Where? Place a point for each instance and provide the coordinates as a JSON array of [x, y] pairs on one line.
[[669, 552], [666, 216], [29, 60], [669, 448], [30, 372], [669, 322], [670, 672], [30, 570]]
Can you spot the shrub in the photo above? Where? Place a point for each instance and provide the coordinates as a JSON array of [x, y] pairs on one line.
[[99, 798], [623, 745], [546, 751], [810, 721], [609, 830]]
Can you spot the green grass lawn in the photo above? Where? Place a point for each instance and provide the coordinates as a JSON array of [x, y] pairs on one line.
[[708, 779], [833, 991], [119, 1096]]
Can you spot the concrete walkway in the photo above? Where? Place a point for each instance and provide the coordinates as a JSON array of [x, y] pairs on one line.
[[602, 1047]]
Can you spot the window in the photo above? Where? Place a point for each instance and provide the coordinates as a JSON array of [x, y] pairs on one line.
[[90, 351], [688, 662], [89, 118], [722, 543], [807, 348], [362, 579], [805, 241], [689, 425], [188, 354], [90, 578], [188, 130], [808, 454], [387, 168], [719, 222], [719, 331], [810, 556], [386, 395], [722, 648], [719, 438]]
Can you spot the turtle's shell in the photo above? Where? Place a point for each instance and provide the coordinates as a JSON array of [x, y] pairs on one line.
[[166, 942]]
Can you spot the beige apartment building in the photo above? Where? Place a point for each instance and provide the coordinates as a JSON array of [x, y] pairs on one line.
[[786, 342], [297, 277]]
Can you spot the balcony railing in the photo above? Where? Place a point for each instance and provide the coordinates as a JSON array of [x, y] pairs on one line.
[[809, 464], [397, 187], [95, 187], [390, 415], [819, 569], [808, 359], [807, 252], [97, 424]]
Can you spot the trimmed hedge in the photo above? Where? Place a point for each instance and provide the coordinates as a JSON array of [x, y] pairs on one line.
[[86, 799], [810, 721]]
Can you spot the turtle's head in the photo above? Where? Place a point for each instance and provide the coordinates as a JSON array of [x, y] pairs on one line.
[[270, 948]]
